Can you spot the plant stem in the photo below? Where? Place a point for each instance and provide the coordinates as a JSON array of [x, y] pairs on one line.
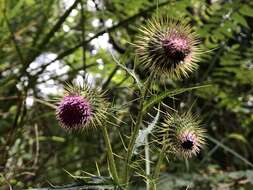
[[147, 162], [111, 160], [136, 129], [157, 168]]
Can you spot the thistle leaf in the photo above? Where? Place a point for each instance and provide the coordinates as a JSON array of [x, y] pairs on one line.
[[140, 140], [158, 98]]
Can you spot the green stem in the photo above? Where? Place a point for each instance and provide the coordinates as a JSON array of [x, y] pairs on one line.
[[158, 165], [157, 168], [136, 129], [111, 160]]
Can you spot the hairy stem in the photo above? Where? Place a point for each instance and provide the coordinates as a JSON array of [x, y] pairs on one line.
[[136, 129], [111, 160], [147, 162]]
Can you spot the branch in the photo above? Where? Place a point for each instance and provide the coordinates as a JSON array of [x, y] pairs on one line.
[[107, 30], [48, 37], [84, 187], [106, 83]]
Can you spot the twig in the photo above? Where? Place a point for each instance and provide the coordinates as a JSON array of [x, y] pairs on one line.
[[37, 145], [106, 83]]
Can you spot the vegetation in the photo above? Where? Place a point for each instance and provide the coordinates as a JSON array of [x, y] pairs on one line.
[[46, 44]]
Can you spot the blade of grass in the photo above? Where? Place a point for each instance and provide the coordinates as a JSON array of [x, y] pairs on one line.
[[229, 150]]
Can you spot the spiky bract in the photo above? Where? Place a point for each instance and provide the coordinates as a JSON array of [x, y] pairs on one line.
[[183, 134], [81, 108], [168, 47]]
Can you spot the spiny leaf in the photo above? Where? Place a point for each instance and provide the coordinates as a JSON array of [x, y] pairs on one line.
[[140, 140], [158, 98]]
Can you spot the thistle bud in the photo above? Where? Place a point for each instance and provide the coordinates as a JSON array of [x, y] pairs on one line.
[[81, 107], [183, 134], [168, 47]]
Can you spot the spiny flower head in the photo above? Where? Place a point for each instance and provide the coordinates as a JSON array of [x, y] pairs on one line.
[[168, 47], [81, 107], [74, 110], [183, 134]]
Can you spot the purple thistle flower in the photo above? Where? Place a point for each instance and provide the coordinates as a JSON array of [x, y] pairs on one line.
[[176, 46], [74, 112], [189, 144], [168, 47], [81, 107]]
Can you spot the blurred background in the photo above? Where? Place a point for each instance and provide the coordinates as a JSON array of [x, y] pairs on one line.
[[44, 43]]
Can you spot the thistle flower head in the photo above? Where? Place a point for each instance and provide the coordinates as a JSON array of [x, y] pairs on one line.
[[183, 134], [74, 110], [168, 47], [81, 107]]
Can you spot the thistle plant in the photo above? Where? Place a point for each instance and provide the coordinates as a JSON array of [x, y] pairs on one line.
[[82, 108], [166, 47]]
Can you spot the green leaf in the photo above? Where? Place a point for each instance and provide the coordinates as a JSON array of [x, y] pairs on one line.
[[246, 10], [238, 137], [240, 19]]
